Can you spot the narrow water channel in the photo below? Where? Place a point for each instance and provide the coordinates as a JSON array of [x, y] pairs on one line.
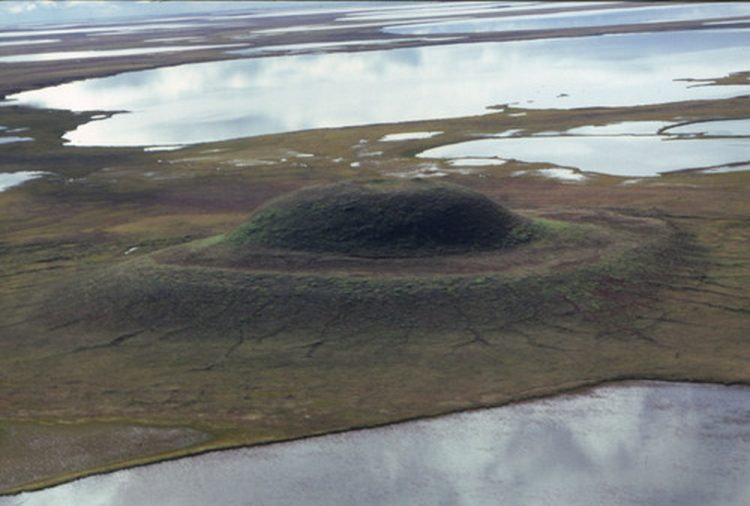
[[629, 444]]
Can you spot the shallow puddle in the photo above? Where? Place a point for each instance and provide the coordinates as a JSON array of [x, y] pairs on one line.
[[632, 444], [221, 100]]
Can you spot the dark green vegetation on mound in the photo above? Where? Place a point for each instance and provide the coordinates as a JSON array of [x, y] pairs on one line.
[[384, 219]]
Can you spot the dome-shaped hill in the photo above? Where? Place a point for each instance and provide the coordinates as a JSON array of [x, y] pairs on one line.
[[383, 219]]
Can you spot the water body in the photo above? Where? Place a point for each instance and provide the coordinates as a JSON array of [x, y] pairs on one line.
[[561, 174], [622, 128], [725, 128], [409, 136], [579, 19], [103, 53], [427, 10], [26, 42], [97, 29], [221, 100], [317, 46], [14, 139], [11, 179], [633, 444], [605, 154]]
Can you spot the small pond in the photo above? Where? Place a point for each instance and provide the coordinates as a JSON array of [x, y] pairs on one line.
[[606, 154], [630, 444], [11, 179]]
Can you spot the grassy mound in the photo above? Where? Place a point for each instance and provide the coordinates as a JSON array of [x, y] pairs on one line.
[[383, 219]]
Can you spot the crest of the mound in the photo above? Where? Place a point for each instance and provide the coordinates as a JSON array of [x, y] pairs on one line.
[[383, 219]]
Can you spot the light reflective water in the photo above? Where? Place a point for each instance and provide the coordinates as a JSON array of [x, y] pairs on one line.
[[97, 29], [409, 136], [222, 100], [561, 174], [316, 46], [637, 444], [622, 128], [103, 53], [429, 10], [11, 179], [26, 42], [12, 139], [630, 15], [724, 128], [623, 155]]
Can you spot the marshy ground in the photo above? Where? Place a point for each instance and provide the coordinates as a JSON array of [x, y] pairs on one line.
[[123, 307]]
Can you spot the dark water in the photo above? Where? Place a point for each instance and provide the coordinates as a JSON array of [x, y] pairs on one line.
[[644, 443]]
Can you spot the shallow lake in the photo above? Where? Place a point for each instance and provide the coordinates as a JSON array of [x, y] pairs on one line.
[[606, 154], [221, 100], [630, 444]]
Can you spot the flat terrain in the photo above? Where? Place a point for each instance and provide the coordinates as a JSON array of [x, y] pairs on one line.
[[112, 330]]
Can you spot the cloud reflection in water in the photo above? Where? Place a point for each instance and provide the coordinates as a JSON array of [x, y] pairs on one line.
[[220, 100], [641, 443]]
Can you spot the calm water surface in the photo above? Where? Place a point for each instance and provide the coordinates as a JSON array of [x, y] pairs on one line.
[[641, 443], [724, 128], [11, 179], [220, 100], [611, 17], [606, 154], [103, 53]]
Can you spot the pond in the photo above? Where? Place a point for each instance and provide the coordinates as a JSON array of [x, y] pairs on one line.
[[606, 154], [629, 444], [11, 179], [724, 128], [214, 101]]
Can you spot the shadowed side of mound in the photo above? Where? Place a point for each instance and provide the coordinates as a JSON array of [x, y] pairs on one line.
[[383, 219]]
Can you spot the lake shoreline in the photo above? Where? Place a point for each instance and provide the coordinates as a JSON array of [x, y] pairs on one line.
[[545, 393]]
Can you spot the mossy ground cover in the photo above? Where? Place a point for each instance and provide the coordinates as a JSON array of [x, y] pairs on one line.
[[383, 219], [645, 280]]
